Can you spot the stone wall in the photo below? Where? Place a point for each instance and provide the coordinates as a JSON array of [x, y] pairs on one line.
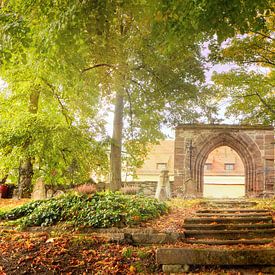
[[147, 188], [254, 144]]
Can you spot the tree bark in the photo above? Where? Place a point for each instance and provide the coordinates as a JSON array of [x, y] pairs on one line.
[[115, 159], [26, 168], [4, 179], [26, 173]]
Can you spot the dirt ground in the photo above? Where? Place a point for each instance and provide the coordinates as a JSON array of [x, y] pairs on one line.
[[74, 253], [44, 253]]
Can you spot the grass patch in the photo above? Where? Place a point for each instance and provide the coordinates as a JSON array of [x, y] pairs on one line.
[[8, 204], [99, 210], [265, 203], [184, 203]]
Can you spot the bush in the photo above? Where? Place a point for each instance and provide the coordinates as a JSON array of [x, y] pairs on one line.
[[129, 190], [86, 189], [99, 210]]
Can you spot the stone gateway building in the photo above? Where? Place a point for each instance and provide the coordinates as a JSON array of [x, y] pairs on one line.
[[254, 145]]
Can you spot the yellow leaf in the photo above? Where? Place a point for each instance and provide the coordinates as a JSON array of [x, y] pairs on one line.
[[132, 269]]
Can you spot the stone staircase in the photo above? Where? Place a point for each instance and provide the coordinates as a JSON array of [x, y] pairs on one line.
[[234, 223], [223, 222]]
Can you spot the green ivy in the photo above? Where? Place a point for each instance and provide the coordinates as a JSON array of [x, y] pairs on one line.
[[106, 209], [21, 211]]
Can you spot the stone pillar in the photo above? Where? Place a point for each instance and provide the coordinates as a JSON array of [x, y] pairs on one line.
[[163, 191]]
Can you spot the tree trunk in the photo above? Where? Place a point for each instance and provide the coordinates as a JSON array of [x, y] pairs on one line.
[[26, 173], [4, 179], [115, 159], [26, 168]]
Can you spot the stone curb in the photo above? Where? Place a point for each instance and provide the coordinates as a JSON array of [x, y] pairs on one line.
[[185, 256], [135, 236]]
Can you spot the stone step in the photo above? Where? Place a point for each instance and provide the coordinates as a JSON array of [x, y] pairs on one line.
[[232, 214], [236, 210], [229, 201], [227, 226], [233, 220], [229, 204], [230, 234], [231, 242], [226, 257]]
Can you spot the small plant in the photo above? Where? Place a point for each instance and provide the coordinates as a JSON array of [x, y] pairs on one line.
[[129, 190], [86, 189], [142, 254], [127, 252]]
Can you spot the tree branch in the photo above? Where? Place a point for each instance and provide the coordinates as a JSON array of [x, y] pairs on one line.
[[267, 106], [260, 61], [264, 35], [136, 82], [97, 66], [265, 103], [265, 49], [63, 108]]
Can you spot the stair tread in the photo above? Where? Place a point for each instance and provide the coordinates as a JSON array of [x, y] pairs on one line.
[[231, 231], [228, 242], [233, 210], [213, 216], [232, 214], [231, 201], [225, 225], [213, 219]]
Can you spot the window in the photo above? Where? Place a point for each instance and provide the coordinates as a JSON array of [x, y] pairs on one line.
[[207, 166], [229, 166], [161, 166]]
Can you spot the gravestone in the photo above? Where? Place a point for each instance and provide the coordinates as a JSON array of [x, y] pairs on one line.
[[39, 190]]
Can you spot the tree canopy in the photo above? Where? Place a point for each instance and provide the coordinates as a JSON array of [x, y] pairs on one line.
[[77, 57], [249, 86]]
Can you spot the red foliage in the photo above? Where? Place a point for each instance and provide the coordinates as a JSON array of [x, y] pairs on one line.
[[86, 189]]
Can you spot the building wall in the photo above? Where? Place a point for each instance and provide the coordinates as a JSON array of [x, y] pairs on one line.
[[221, 157], [160, 157]]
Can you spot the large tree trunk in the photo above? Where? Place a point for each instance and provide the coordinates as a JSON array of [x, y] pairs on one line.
[[115, 159], [25, 179], [26, 168]]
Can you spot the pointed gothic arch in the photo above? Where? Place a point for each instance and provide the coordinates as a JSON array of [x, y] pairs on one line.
[[252, 143]]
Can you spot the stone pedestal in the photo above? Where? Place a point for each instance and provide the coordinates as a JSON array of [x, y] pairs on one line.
[[163, 191], [39, 190]]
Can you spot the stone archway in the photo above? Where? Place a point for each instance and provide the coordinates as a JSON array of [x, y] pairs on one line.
[[253, 144]]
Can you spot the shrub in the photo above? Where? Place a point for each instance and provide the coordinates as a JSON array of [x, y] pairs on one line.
[[129, 190], [99, 210], [86, 189]]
